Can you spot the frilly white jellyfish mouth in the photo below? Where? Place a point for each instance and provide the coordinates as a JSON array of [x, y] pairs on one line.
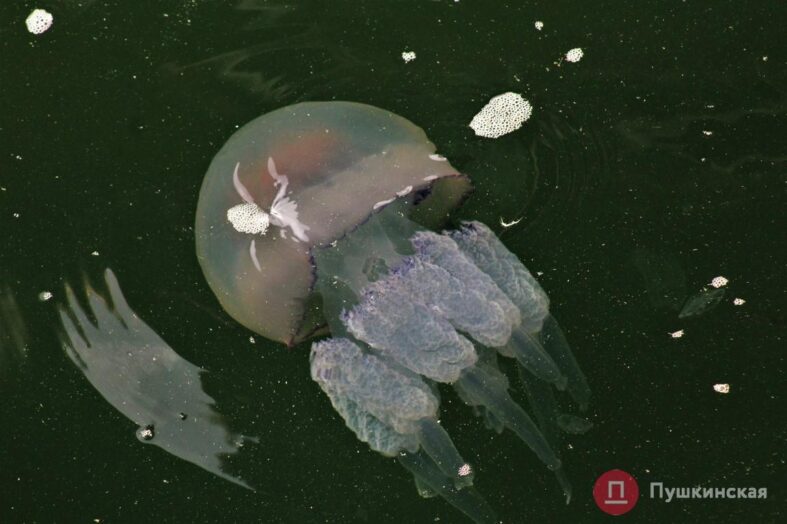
[[441, 314]]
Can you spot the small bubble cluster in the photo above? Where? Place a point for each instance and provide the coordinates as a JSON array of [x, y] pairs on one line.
[[575, 55], [39, 21], [502, 115], [721, 388], [718, 282], [248, 218]]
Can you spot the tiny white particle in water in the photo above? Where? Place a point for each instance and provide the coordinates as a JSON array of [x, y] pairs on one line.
[[539, 25], [437, 158], [465, 470], [408, 56], [707, 133], [252, 340], [719, 282], [94, 253], [738, 301], [765, 59], [39, 21], [575, 55], [502, 115], [16, 215], [44, 296], [677, 334], [721, 388]]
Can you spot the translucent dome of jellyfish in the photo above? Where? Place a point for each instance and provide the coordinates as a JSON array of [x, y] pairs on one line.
[[321, 218]]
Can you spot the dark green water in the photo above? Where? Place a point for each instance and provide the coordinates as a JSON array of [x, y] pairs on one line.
[[651, 166]]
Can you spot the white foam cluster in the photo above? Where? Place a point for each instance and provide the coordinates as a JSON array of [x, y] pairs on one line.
[[408, 56], [574, 55], [248, 218], [502, 115], [39, 21]]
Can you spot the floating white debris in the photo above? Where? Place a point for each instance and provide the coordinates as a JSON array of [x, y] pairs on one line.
[[502, 115], [575, 55], [677, 334], [252, 340], [248, 218], [719, 282], [94, 253], [721, 388], [44, 296], [509, 224], [408, 56], [39, 21], [539, 25], [738, 301], [437, 158], [707, 133]]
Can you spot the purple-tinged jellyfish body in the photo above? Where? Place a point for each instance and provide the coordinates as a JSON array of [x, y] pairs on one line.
[[319, 219]]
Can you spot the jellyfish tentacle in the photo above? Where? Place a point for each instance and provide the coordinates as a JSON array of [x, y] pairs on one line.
[[487, 387], [492, 257], [482, 246], [461, 301], [388, 407], [409, 332], [542, 400], [428, 474], [437, 444], [532, 356], [442, 251], [555, 343]]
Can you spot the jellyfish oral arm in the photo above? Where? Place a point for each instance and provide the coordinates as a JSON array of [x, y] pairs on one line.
[[443, 313], [284, 210]]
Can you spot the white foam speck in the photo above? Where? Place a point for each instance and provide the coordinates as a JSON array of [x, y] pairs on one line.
[[719, 282], [738, 301], [574, 55], [677, 334], [502, 115], [39, 21], [721, 388], [408, 56], [539, 25]]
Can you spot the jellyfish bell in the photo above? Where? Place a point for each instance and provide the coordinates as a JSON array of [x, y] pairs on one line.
[[321, 218], [315, 171]]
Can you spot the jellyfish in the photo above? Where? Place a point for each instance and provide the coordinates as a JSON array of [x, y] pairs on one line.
[[324, 220]]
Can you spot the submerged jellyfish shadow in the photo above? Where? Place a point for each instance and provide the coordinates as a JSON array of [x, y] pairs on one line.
[[146, 380]]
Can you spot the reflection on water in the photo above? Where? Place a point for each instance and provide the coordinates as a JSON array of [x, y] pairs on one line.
[[144, 379]]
